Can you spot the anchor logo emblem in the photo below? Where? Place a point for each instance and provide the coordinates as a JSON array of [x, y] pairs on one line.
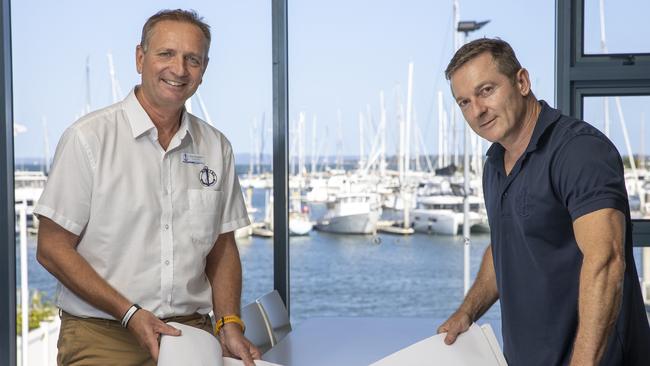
[[207, 177]]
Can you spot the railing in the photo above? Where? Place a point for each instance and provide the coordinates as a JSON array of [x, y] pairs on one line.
[[41, 344]]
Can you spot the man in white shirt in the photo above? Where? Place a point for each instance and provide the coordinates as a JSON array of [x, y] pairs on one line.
[[138, 215]]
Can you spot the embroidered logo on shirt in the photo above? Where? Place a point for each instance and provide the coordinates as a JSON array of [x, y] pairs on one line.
[[192, 158], [207, 177], [521, 203]]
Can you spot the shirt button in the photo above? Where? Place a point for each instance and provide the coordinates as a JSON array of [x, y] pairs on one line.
[[505, 195], [167, 262], [166, 226], [169, 298]]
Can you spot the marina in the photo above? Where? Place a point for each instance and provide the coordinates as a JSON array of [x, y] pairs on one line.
[[361, 179], [419, 275]]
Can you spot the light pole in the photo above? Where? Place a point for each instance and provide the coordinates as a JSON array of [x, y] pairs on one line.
[[466, 27]]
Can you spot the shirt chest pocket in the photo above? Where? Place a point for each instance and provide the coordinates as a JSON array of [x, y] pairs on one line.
[[205, 215]]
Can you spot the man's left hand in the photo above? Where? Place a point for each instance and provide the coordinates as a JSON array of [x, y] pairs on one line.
[[235, 344]]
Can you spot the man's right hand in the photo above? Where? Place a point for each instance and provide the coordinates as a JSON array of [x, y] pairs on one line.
[[148, 329], [458, 323]]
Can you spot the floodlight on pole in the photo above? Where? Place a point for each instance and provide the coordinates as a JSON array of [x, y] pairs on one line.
[[466, 26]]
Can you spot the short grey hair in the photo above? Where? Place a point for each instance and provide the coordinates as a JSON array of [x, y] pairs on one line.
[[501, 52], [177, 15]]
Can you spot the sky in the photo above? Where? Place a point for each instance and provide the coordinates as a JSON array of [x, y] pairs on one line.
[[341, 55]]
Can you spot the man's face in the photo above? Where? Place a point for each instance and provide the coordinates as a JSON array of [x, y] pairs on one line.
[[172, 67], [492, 105]]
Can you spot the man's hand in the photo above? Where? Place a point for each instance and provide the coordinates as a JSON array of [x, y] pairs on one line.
[[147, 329], [478, 300], [235, 344], [458, 323]]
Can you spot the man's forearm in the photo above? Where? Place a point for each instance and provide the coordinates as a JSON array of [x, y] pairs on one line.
[[223, 269], [600, 235], [483, 293], [57, 253], [601, 287]]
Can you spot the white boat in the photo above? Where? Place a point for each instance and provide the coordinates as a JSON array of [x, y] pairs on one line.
[[351, 213], [29, 186], [299, 223], [442, 214], [394, 227], [445, 222], [246, 231], [262, 229]]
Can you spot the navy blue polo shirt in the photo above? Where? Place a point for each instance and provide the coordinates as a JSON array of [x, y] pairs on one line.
[[569, 169]]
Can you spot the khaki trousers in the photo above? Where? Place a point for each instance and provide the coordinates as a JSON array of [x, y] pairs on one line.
[[94, 342]]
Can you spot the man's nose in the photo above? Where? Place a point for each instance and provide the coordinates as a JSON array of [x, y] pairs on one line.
[[478, 109], [179, 66]]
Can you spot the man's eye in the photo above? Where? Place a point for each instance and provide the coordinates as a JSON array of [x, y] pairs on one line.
[[462, 103], [487, 90], [165, 54], [195, 61]]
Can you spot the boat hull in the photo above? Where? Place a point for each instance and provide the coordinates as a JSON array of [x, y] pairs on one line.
[[436, 222], [364, 223]]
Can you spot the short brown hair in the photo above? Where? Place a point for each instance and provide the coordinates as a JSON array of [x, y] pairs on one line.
[[500, 50], [178, 15]]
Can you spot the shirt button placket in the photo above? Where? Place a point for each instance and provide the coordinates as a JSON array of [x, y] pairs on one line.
[[167, 243]]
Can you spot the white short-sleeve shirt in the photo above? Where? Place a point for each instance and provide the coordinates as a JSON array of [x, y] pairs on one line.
[[147, 217]]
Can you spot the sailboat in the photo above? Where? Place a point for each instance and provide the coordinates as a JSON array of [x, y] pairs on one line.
[[351, 213]]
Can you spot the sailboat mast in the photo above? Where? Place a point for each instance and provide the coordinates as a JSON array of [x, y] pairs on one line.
[[313, 145], [301, 143], [382, 131], [46, 147], [642, 157], [441, 118], [361, 147], [409, 114], [603, 48], [116, 91], [339, 141], [617, 101], [87, 109], [204, 110]]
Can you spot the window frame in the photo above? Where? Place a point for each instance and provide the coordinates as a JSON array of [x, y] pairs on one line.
[[280, 39], [578, 75], [7, 212]]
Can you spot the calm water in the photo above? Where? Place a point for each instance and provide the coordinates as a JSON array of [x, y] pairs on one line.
[[351, 275], [415, 276]]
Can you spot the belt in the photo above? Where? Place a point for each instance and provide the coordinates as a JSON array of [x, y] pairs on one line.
[[110, 322]]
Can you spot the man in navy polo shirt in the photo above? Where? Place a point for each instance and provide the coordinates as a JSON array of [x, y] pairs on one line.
[[561, 259]]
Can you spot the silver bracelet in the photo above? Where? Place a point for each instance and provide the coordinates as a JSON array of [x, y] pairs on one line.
[[129, 314]]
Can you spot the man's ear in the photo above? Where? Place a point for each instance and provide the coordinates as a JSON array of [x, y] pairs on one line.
[[139, 58], [522, 81]]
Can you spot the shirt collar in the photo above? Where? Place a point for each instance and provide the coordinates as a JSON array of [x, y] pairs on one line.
[[141, 123], [547, 117]]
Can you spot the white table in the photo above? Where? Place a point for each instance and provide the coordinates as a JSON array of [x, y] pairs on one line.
[[351, 341]]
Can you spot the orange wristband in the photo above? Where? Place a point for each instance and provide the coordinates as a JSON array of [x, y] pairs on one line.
[[229, 319]]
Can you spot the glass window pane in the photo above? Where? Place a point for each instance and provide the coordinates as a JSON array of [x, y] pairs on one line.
[[616, 26], [349, 95], [73, 58], [626, 121]]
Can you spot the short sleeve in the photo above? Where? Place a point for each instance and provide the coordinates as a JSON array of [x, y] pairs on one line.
[[234, 214], [589, 176], [67, 194]]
